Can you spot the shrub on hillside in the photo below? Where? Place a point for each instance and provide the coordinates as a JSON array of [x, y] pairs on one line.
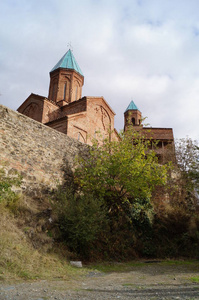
[[112, 199], [113, 211], [8, 197], [81, 219]]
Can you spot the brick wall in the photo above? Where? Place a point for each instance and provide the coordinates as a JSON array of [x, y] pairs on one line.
[[38, 152]]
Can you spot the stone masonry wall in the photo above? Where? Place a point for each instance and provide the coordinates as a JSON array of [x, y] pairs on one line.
[[36, 151]]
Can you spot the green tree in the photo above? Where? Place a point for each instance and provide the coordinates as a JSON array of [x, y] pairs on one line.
[[187, 156], [110, 201], [176, 221], [81, 219], [123, 173]]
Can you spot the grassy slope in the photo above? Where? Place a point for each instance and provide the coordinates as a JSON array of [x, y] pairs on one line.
[[18, 257], [19, 260]]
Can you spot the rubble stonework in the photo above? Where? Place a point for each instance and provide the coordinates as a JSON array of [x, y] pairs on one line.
[[42, 155]]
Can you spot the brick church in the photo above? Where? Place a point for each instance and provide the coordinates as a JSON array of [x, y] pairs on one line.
[[162, 138], [65, 109], [82, 118]]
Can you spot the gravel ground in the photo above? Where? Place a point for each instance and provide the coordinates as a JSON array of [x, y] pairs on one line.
[[149, 281]]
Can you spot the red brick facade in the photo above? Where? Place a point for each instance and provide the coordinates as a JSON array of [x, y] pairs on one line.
[[66, 111], [85, 118], [161, 138]]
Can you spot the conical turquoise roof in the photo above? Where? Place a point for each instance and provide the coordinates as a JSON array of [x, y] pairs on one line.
[[68, 61], [132, 106]]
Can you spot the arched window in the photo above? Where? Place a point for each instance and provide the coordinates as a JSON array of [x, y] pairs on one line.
[[76, 90], [133, 121], [65, 87], [54, 91]]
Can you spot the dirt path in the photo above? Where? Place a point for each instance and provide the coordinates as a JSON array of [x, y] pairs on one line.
[[148, 281]]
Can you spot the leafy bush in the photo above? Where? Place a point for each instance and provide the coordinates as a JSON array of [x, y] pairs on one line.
[[187, 156], [8, 197], [110, 205], [113, 212], [123, 173], [81, 219]]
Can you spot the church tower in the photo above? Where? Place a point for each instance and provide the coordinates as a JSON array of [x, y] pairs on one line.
[[132, 116], [66, 80]]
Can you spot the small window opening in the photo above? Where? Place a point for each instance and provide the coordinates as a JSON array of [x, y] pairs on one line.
[[159, 144], [53, 93], [65, 86], [76, 93], [133, 121], [78, 138]]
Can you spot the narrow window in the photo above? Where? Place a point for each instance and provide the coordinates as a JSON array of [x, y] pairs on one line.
[[76, 93], [133, 121], [54, 91], [65, 86]]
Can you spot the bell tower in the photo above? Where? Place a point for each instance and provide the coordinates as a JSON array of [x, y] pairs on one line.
[[132, 116], [66, 80]]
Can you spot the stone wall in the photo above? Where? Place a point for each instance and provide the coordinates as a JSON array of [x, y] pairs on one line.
[[41, 154]]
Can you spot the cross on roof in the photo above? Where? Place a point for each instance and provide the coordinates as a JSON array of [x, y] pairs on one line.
[[70, 46]]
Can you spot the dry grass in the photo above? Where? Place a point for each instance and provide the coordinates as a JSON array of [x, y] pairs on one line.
[[19, 259]]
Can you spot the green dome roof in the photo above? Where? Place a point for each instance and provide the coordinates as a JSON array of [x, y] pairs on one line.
[[68, 61], [132, 106]]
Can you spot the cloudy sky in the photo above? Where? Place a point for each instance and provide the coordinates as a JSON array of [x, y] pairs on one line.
[[141, 50]]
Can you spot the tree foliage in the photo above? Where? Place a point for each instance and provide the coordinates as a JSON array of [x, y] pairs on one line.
[[187, 156], [120, 172], [81, 218], [113, 210]]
